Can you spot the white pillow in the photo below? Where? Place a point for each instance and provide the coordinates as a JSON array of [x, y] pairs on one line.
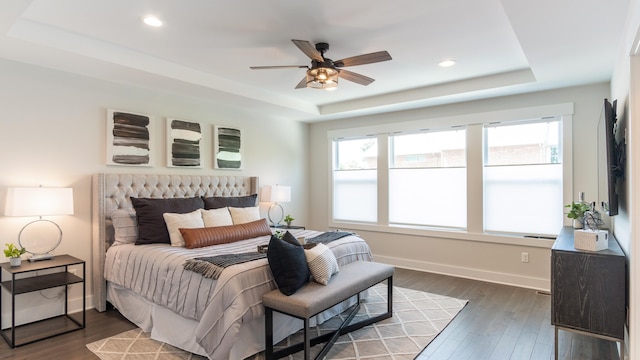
[[216, 217], [244, 215], [176, 221], [125, 226], [322, 263]]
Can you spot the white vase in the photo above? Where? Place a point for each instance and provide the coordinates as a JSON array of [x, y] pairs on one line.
[[577, 224], [15, 261]]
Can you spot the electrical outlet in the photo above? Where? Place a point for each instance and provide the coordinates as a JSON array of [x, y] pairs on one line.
[[525, 257]]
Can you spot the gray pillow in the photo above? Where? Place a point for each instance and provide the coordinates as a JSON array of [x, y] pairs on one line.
[[125, 227], [218, 202]]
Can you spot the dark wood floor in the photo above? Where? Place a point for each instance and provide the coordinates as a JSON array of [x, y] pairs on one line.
[[500, 322]]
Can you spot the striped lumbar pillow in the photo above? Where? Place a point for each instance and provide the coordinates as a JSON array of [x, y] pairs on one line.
[[322, 263]]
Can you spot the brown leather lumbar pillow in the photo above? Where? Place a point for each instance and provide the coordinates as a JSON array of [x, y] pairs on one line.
[[201, 237]]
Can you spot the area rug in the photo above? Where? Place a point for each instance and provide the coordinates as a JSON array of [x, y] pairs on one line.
[[418, 317]]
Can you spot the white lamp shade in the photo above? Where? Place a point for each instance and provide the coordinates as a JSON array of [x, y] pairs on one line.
[[38, 201], [276, 194]]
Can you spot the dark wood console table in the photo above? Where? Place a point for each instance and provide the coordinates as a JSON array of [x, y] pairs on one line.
[[588, 290]]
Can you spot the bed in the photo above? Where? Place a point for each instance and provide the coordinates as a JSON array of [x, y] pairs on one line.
[[220, 318]]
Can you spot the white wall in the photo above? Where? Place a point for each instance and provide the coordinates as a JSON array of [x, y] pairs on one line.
[[52, 133], [456, 256], [625, 87]]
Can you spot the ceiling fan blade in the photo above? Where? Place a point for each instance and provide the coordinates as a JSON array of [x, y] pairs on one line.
[[356, 78], [363, 59], [278, 67], [302, 84], [308, 49]]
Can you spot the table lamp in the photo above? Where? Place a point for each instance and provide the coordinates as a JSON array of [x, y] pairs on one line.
[[276, 194], [39, 237]]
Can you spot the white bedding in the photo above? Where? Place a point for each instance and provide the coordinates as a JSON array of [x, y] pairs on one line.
[[219, 307]]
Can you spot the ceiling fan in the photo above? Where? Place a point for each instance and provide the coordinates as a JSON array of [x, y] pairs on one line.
[[323, 73]]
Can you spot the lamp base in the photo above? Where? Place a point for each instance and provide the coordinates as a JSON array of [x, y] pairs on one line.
[[275, 214], [39, 257], [35, 239]]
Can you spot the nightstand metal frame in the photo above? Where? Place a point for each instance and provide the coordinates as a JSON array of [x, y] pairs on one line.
[[52, 326]]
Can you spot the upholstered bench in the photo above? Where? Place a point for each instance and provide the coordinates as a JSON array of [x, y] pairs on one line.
[[314, 298]]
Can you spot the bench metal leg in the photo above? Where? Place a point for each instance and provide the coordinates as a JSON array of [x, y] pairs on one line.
[[268, 333], [390, 296], [307, 341], [328, 338], [338, 332]]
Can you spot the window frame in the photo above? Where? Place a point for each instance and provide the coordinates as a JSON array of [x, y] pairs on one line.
[[474, 124]]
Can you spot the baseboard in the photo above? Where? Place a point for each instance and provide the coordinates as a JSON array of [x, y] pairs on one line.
[[541, 284]]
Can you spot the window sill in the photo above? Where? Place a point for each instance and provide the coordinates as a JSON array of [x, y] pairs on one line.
[[462, 235]]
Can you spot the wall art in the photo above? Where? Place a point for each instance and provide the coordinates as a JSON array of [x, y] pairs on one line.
[[227, 148], [183, 143], [129, 139]]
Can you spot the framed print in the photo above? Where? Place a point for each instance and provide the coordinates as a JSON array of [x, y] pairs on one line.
[[129, 139], [183, 143], [227, 147]]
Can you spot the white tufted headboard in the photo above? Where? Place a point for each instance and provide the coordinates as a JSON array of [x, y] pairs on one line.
[[113, 191]]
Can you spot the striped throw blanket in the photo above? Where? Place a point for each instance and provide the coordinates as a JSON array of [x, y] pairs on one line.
[[211, 267]]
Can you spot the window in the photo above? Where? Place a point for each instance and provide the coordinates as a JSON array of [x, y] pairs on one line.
[[427, 179], [355, 185], [492, 176], [523, 177]]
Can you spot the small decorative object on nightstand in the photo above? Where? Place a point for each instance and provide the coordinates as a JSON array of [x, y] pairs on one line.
[[14, 253], [288, 219]]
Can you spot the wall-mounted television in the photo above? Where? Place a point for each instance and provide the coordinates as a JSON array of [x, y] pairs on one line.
[[610, 162]]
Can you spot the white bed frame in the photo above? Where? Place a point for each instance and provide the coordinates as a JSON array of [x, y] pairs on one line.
[[113, 191]]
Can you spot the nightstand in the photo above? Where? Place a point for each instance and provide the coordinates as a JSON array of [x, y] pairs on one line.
[[25, 279], [285, 227]]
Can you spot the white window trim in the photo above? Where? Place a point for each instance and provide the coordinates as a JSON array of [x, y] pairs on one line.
[[474, 124]]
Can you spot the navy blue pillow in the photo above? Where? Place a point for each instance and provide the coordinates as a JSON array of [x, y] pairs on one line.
[[288, 265], [151, 226], [288, 237]]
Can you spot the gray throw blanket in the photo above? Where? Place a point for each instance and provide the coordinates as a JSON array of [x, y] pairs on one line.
[[211, 267], [328, 236]]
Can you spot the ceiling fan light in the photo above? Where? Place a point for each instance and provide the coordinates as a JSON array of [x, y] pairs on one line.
[[322, 78]]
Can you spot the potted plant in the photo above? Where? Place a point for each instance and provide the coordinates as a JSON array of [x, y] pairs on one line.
[[288, 219], [576, 212], [13, 253]]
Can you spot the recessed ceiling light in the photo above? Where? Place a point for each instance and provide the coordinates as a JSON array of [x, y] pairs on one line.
[[152, 21], [447, 63]]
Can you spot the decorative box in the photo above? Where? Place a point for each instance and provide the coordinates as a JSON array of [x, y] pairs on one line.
[[591, 240]]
